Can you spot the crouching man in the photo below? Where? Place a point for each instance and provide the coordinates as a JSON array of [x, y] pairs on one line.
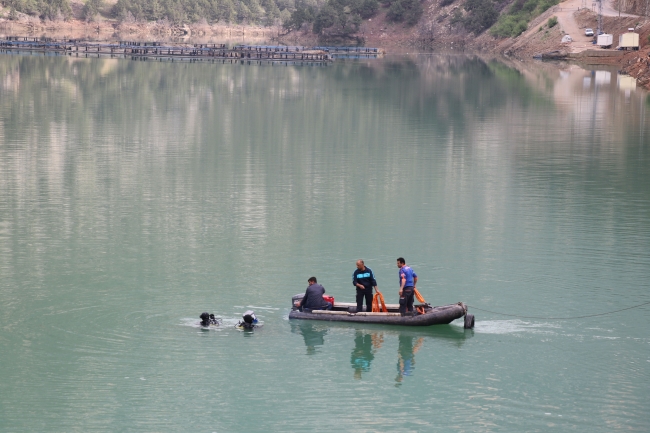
[[313, 299]]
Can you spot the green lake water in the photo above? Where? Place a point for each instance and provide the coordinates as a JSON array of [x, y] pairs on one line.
[[136, 195]]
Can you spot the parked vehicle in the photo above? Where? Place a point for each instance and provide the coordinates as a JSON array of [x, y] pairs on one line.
[[589, 32]]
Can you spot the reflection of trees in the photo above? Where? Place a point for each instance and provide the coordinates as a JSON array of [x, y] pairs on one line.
[[451, 91], [83, 91], [216, 140], [237, 153]]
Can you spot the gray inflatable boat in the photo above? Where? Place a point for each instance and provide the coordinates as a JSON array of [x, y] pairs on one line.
[[346, 312]]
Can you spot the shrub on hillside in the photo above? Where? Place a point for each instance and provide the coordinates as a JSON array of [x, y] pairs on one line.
[[510, 26], [179, 11], [368, 8], [325, 19], [481, 15], [456, 17], [519, 14], [338, 18], [303, 14], [408, 11], [45, 9], [552, 22]]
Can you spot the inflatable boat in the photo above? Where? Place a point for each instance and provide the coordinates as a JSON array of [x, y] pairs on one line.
[[346, 312]]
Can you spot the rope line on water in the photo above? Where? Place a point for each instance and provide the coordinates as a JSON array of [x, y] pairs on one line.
[[560, 318]]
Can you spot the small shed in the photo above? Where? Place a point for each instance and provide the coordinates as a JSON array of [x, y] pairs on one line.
[[629, 40]]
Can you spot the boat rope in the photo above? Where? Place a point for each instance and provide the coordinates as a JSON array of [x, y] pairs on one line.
[[420, 309], [376, 301], [560, 318]]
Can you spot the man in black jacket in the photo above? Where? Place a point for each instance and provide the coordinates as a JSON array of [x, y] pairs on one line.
[[364, 280], [313, 299]]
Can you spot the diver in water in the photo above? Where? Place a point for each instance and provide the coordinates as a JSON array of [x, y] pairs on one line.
[[208, 319], [250, 321]]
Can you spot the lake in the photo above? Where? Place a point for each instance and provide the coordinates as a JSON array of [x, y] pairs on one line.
[[134, 195]]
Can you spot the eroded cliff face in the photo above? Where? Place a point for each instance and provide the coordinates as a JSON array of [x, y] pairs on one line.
[[636, 7]]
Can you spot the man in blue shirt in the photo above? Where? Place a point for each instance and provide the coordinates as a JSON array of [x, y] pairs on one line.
[[407, 283], [364, 280]]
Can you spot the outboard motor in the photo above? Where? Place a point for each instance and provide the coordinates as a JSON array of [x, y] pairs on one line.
[[250, 321], [295, 299]]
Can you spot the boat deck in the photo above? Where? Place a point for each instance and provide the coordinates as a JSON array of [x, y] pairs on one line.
[[342, 312]]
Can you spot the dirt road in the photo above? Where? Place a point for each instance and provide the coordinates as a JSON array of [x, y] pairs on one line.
[[564, 13]]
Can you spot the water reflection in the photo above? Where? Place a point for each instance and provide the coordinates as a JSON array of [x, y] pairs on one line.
[[128, 187], [365, 346], [368, 342], [313, 335], [408, 347]]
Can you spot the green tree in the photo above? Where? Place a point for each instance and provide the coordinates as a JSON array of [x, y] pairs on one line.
[[408, 11], [303, 14], [367, 8], [91, 9], [325, 19], [272, 11], [338, 18], [515, 21], [481, 15]]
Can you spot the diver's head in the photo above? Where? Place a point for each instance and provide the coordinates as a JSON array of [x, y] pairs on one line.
[[249, 317], [205, 319]]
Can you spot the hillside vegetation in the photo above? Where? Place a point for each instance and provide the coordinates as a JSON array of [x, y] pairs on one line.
[[325, 18], [515, 20], [44, 9]]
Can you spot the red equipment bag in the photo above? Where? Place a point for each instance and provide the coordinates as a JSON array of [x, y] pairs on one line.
[[329, 299]]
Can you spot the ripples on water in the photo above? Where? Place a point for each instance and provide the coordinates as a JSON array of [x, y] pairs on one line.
[[136, 195]]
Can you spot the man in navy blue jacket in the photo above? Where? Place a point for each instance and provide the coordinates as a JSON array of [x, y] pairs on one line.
[[364, 280]]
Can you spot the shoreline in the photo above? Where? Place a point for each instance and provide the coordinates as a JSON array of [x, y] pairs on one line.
[[105, 29], [375, 33]]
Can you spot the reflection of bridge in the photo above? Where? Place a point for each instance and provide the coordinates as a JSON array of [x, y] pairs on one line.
[[157, 50], [186, 51]]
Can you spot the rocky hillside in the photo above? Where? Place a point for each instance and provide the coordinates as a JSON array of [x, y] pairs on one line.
[[636, 7]]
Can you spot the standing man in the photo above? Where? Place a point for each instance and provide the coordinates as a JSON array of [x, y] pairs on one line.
[[364, 280], [407, 283]]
